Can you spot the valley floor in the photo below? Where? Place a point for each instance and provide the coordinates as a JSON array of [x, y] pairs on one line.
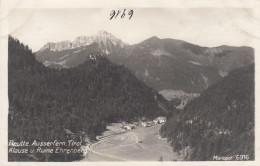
[[140, 144]]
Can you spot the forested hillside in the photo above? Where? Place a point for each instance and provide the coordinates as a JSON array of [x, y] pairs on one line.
[[218, 123], [43, 102]]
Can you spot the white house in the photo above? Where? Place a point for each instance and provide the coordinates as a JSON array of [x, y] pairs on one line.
[[155, 121], [160, 120], [148, 124], [127, 127], [93, 57], [144, 124]]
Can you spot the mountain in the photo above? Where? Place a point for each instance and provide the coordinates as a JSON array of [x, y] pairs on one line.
[[106, 41], [66, 54], [168, 64], [46, 103], [218, 123], [163, 64]]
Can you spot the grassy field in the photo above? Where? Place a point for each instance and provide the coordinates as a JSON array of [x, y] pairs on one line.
[[125, 147]]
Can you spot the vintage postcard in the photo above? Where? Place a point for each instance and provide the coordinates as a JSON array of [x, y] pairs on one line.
[[172, 82]]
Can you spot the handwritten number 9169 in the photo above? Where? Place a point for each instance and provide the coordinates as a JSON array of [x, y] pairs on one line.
[[115, 13]]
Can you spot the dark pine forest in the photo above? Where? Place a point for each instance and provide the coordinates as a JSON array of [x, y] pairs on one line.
[[218, 123], [43, 102]]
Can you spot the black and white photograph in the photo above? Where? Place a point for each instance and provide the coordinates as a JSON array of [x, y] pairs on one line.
[[102, 84]]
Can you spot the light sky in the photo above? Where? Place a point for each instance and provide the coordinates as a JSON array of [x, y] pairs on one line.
[[202, 26]]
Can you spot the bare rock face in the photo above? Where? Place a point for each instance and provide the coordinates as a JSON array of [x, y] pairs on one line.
[[106, 41], [64, 45]]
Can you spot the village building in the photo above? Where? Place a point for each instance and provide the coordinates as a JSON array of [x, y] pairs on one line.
[[149, 124], [93, 57], [155, 121], [144, 124], [159, 120], [129, 127]]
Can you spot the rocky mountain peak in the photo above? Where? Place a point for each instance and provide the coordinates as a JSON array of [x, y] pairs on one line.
[[103, 33], [106, 41]]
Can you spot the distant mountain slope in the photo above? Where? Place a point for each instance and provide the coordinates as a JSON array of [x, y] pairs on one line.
[[67, 58], [164, 64], [218, 123], [44, 103]]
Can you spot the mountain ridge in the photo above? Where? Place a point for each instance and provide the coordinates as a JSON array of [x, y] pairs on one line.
[[102, 38], [163, 64]]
